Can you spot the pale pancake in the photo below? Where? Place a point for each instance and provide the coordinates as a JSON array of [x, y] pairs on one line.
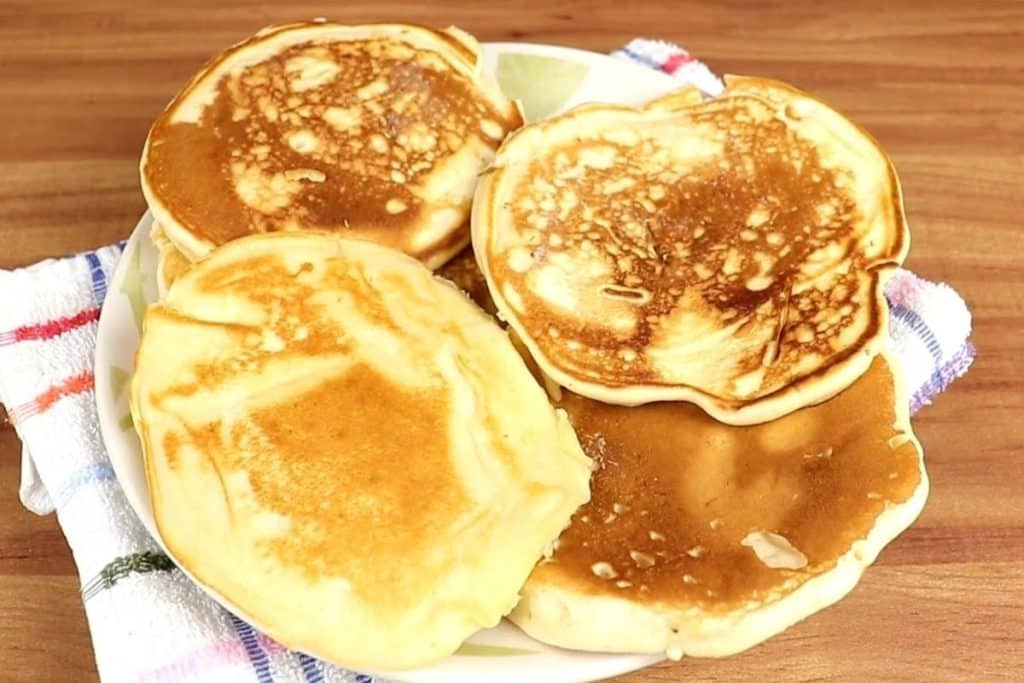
[[171, 263], [377, 132], [728, 252], [705, 539], [346, 449]]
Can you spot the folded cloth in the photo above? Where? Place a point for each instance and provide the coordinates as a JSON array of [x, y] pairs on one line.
[[149, 622]]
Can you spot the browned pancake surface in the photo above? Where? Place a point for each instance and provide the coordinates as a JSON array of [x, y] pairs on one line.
[[330, 135], [721, 251], [675, 493]]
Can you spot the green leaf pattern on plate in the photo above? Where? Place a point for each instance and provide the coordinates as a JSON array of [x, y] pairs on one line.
[[542, 84], [132, 286], [475, 650], [118, 380], [118, 383]]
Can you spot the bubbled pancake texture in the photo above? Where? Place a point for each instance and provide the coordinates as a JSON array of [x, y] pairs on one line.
[[374, 137], [719, 252]]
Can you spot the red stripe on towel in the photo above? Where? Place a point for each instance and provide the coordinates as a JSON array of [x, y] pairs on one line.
[[51, 328], [42, 402], [677, 60]]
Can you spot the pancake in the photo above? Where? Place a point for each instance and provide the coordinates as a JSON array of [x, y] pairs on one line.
[[377, 132], [170, 264], [705, 539], [729, 252], [346, 449], [667, 555]]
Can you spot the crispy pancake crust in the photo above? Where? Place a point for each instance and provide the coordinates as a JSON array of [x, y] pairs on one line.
[[728, 252], [347, 450], [705, 539], [377, 132]]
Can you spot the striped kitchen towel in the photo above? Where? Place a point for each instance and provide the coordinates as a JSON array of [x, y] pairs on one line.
[[150, 623]]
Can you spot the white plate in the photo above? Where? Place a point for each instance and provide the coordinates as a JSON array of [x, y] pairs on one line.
[[547, 79]]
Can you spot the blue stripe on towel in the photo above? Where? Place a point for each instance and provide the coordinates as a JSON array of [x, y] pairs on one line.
[[363, 678], [310, 668], [637, 57], [90, 474], [99, 278], [257, 656], [920, 328]]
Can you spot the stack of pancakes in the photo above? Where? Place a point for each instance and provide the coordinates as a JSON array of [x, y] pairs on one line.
[[363, 461]]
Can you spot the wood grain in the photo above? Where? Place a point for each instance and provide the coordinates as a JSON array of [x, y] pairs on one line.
[[939, 84]]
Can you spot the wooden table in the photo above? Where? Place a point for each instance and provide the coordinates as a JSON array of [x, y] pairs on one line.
[[941, 84]]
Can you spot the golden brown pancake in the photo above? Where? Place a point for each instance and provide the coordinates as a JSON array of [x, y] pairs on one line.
[[347, 450], [705, 539], [729, 252], [377, 132]]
